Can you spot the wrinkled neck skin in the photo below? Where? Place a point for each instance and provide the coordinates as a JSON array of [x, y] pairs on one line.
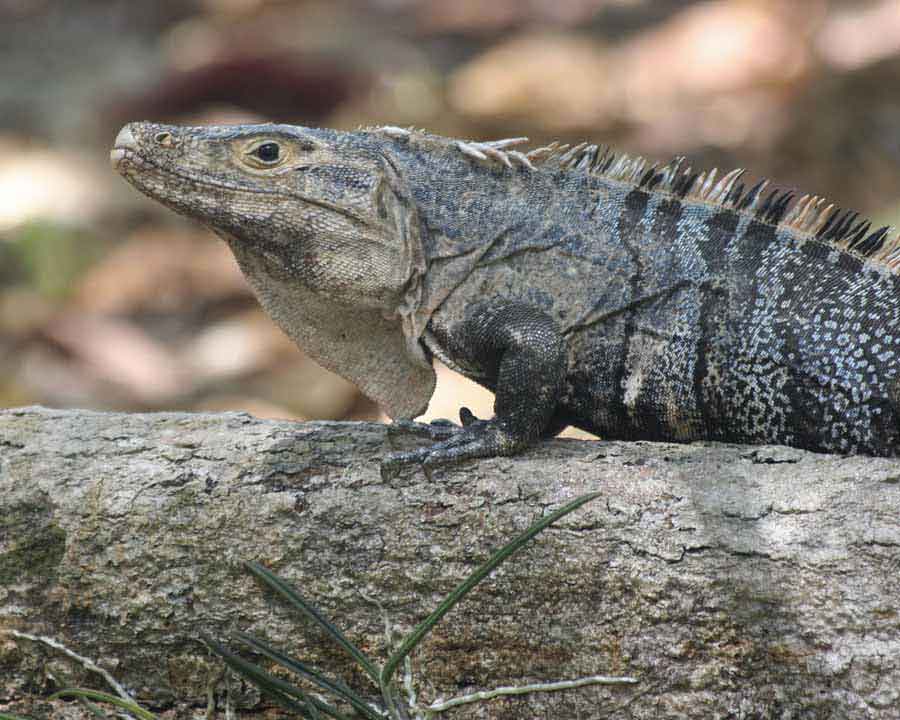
[[341, 274], [475, 217]]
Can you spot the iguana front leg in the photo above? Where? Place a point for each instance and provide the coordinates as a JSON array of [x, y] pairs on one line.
[[519, 352]]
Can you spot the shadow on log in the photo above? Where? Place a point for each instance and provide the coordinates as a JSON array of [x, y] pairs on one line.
[[733, 581]]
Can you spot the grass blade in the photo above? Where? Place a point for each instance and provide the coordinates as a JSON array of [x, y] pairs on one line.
[[289, 594], [134, 709], [336, 687], [423, 628], [4, 716], [272, 687], [313, 710]]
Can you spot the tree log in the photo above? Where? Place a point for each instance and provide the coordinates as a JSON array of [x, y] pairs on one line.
[[731, 581]]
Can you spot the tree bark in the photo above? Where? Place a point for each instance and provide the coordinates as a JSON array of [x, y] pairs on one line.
[[738, 582]]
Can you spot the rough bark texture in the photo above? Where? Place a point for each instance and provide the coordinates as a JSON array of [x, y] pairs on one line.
[[733, 581]]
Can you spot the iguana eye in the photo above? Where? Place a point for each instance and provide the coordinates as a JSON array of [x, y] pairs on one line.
[[268, 152], [164, 138]]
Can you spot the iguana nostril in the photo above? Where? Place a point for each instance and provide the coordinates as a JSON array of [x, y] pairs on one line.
[[164, 138]]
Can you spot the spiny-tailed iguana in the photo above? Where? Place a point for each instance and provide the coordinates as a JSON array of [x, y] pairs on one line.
[[582, 287]]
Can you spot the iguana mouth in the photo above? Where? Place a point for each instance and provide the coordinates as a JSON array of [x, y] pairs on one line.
[[125, 159]]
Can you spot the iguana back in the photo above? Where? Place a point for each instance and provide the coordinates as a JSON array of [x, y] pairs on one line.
[[701, 310]]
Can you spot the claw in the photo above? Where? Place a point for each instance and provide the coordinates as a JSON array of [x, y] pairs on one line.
[[475, 439], [394, 463]]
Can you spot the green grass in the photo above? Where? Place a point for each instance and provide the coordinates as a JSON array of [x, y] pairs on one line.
[[307, 707]]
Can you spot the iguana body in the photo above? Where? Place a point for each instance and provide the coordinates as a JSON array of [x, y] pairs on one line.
[[582, 288]]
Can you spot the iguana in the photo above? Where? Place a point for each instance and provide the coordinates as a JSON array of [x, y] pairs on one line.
[[583, 287]]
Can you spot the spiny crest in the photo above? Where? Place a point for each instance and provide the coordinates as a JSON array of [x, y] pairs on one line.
[[810, 215], [490, 152]]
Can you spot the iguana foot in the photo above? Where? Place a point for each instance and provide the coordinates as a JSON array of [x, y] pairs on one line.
[[476, 438]]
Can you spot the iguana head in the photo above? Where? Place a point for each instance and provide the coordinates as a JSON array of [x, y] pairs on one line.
[[321, 225], [315, 206]]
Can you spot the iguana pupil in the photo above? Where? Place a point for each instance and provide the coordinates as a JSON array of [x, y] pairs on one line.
[[267, 152]]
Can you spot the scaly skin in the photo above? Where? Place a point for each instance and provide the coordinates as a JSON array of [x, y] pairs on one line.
[[582, 288]]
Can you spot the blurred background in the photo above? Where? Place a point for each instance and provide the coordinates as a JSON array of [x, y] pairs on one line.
[[109, 301]]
